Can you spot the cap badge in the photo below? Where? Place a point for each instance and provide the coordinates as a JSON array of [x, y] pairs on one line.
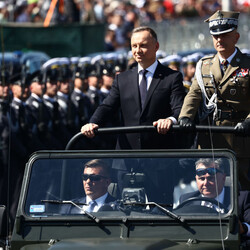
[[220, 15]]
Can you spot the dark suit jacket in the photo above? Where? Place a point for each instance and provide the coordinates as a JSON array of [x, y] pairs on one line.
[[197, 193], [71, 209], [164, 98], [244, 206]]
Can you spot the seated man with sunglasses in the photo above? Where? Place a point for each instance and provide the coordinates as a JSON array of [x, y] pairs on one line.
[[96, 179], [210, 179]]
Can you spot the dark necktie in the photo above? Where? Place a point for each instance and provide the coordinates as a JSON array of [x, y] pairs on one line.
[[224, 64], [92, 206], [143, 87]]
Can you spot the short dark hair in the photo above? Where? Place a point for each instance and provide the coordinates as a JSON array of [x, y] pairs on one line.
[[145, 28], [208, 161], [99, 163]]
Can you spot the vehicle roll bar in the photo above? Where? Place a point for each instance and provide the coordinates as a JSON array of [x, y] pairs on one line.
[[148, 128]]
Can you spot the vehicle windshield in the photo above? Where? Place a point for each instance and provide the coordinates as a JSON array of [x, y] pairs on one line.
[[137, 185]]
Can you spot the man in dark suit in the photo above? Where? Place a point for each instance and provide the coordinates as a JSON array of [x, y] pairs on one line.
[[154, 96], [244, 214], [96, 179], [210, 178]]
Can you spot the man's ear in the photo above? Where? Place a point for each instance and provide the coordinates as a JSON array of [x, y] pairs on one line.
[[237, 36], [157, 46], [108, 181]]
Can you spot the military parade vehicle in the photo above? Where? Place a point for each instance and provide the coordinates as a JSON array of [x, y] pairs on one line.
[[147, 214]]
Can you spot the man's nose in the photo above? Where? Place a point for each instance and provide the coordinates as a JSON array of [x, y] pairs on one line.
[[206, 181], [88, 180], [138, 48]]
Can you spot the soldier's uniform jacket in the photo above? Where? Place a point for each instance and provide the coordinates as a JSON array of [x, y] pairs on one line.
[[53, 109], [95, 98], [233, 99], [82, 104], [67, 111], [40, 114]]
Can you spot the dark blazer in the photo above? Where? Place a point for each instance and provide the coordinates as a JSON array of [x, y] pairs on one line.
[[244, 206], [197, 193], [71, 209], [164, 98]]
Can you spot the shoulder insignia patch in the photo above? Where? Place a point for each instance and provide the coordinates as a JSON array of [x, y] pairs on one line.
[[206, 63], [207, 57]]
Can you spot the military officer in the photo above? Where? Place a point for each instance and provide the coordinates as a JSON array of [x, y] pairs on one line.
[[220, 92]]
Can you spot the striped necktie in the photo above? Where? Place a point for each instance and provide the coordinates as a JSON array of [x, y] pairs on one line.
[[143, 87], [224, 64]]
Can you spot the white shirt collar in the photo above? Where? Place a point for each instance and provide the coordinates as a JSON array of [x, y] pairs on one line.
[[78, 91], [50, 99], [230, 58], [150, 69], [59, 93], [104, 90], [100, 201], [36, 97], [17, 100], [92, 88]]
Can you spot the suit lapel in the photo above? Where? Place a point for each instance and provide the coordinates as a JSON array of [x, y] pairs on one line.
[[133, 86], [234, 65], [155, 82]]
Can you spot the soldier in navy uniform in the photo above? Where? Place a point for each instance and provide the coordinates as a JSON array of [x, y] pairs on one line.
[[21, 149], [66, 107], [93, 91], [220, 93], [13, 152], [50, 101], [40, 114], [81, 101], [4, 134], [107, 80], [108, 75]]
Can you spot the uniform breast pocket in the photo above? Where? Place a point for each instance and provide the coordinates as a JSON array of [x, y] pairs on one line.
[[239, 87]]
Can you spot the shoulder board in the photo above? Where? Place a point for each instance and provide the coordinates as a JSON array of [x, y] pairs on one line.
[[207, 57]]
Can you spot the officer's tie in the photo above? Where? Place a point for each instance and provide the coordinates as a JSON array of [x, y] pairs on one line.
[[224, 64], [92, 205], [143, 87]]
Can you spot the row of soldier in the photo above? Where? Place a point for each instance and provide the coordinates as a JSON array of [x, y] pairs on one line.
[[43, 110]]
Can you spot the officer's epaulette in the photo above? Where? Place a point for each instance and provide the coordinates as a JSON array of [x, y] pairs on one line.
[[208, 57]]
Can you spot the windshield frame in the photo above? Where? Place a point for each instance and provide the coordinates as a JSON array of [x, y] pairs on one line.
[[127, 153]]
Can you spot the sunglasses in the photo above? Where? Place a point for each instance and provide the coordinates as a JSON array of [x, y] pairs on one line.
[[93, 177], [210, 171]]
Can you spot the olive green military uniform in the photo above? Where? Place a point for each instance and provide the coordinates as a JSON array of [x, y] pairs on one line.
[[224, 93], [233, 102]]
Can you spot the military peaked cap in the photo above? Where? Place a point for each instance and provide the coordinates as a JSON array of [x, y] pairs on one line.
[[223, 22]]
